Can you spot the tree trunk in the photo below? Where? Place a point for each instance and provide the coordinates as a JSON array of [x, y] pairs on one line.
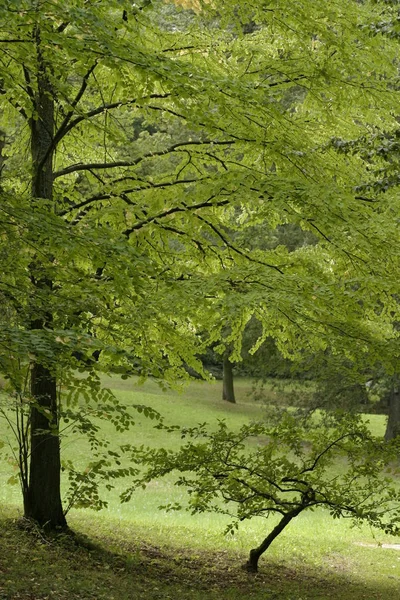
[[252, 564], [42, 501], [228, 392], [393, 424]]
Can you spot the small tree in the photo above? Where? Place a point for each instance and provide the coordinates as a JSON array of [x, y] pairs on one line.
[[282, 469]]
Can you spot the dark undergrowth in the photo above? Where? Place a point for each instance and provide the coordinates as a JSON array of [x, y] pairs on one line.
[[71, 567]]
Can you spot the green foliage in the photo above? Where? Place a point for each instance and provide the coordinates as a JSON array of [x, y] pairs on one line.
[[235, 135], [285, 468]]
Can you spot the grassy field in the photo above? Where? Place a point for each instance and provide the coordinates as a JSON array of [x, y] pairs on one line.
[[135, 551]]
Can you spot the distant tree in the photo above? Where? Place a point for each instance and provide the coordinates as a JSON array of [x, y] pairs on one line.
[[228, 391], [393, 424]]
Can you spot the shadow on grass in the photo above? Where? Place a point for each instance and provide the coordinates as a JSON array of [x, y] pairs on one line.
[[73, 567]]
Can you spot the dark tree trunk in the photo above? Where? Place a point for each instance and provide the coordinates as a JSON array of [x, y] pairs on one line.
[[228, 391], [252, 564], [393, 424], [42, 501]]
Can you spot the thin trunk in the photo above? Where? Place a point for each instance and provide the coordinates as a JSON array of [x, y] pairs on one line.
[[393, 424], [2, 146], [252, 563], [228, 391], [42, 502]]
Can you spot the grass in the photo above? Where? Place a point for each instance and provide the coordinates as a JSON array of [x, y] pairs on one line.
[[137, 551]]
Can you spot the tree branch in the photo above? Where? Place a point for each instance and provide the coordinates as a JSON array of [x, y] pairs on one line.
[[176, 209], [237, 250], [185, 118], [76, 100], [104, 107], [132, 163], [331, 445], [14, 41], [123, 194]]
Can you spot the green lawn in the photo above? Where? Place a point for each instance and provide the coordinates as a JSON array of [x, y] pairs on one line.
[[138, 551]]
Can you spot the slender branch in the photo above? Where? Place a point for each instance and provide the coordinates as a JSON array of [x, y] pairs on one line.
[[237, 250], [14, 41], [175, 209], [76, 100], [364, 199], [123, 194], [179, 49], [331, 445], [151, 186], [132, 163], [262, 476], [265, 495], [184, 117], [105, 107]]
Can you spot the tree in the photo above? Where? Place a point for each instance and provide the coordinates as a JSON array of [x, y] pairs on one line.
[[393, 425], [75, 225], [119, 247], [228, 392], [282, 469]]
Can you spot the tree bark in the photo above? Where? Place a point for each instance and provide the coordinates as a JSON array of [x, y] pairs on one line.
[[252, 564], [228, 391], [42, 501], [393, 424]]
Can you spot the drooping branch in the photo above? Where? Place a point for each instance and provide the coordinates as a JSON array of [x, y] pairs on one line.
[[176, 209], [132, 163], [201, 124], [123, 194], [106, 107], [234, 248]]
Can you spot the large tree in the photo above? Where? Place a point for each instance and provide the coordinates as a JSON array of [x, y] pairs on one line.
[[118, 242]]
